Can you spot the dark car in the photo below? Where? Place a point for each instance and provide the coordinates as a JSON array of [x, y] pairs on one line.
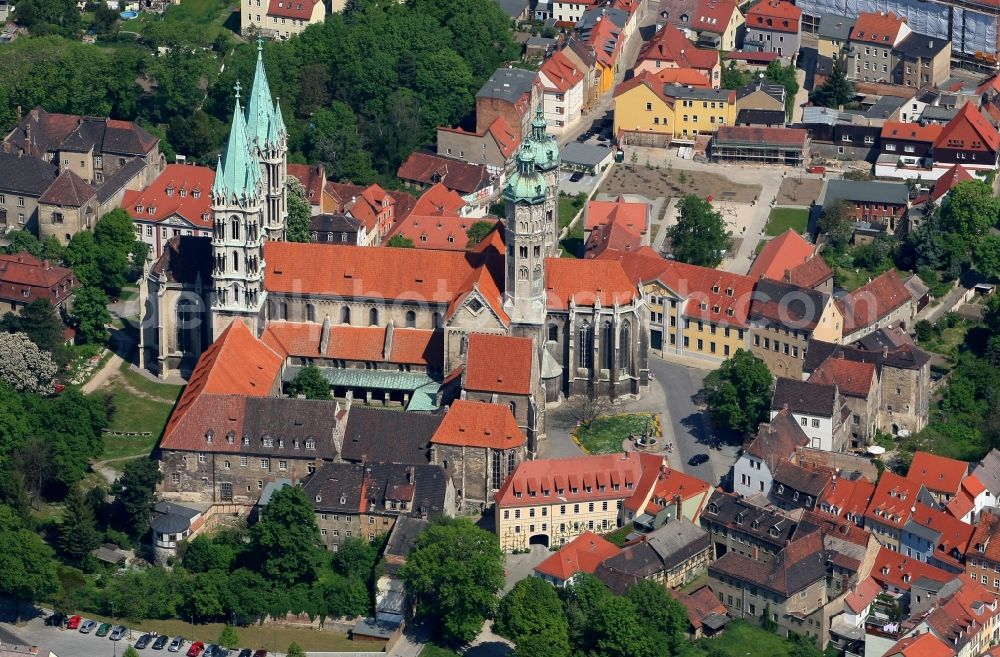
[[698, 459], [246, 652], [161, 642], [56, 620], [144, 641], [103, 629], [260, 653], [576, 177]]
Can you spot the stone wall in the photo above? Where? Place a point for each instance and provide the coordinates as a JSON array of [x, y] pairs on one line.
[[199, 476]]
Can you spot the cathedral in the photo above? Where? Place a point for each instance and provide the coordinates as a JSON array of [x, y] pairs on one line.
[[356, 311]]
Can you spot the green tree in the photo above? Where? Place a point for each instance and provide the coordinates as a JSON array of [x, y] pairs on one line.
[[619, 631], [228, 638], [836, 90], [738, 393], [90, 315], [134, 493], [400, 242], [478, 231], [295, 650], [286, 539], [38, 320], [130, 652], [785, 76], [247, 594], [355, 558], [333, 138], [970, 209], [699, 237], [27, 564], [78, 534], [581, 600], [299, 212], [924, 330], [734, 77], [204, 554], [23, 241], [532, 609], [661, 614], [454, 572], [836, 221], [986, 256], [309, 382]]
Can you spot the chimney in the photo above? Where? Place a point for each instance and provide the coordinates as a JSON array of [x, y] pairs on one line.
[[677, 506], [409, 474], [885, 351]]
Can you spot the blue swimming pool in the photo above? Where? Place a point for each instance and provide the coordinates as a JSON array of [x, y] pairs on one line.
[[129, 15]]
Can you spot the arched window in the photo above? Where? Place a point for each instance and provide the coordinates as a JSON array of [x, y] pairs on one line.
[[513, 408], [536, 279], [463, 345], [310, 312], [373, 317], [345, 315], [186, 315], [411, 319], [235, 228], [553, 332], [282, 310], [436, 320], [608, 345], [236, 261], [522, 274], [625, 347], [585, 346]]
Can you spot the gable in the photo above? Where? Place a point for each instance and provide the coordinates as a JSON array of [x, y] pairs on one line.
[[475, 313]]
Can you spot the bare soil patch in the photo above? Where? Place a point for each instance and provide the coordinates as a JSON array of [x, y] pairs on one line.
[[799, 191], [669, 183]]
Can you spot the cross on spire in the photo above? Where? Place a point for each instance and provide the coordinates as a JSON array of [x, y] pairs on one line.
[[260, 43], [237, 88]]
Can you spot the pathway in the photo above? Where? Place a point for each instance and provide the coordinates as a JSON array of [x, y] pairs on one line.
[[103, 375], [933, 314]]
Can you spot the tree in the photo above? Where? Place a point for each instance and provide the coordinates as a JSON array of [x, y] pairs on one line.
[[24, 366], [970, 209], [699, 237], [23, 241], [299, 212], [27, 564], [738, 394], [837, 223], [133, 491], [130, 652], [619, 632], [295, 650], [204, 554], [309, 382], [78, 534], [286, 539], [661, 614], [532, 609], [478, 231], [355, 558], [400, 242], [735, 78], [836, 90], [924, 330], [986, 256], [454, 572], [37, 320], [228, 638], [90, 315]]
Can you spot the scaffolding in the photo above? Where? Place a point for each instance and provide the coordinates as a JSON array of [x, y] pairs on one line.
[[792, 155]]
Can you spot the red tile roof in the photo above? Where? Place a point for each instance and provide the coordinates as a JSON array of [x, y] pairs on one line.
[[879, 28], [861, 595], [606, 38], [920, 645], [312, 177], [893, 569], [775, 15], [181, 190], [938, 474], [854, 378], [954, 534], [985, 541], [753, 57], [356, 343], [670, 45], [911, 131], [586, 282], [847, 498], [25, 278], [499, 363], [427, 169], [969, 130], [873, 301], [779, 255], [701, 604], [581, 555], [297, 9], [811, 273], [443, 233], [967, 614], [893, 500], [634, 215], [560, 72], [661, 486], [713, 15], [235, 364], [615, 235], [478, 424], [949, 179], [570, 478]]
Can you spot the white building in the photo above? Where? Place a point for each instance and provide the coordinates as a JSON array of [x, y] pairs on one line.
[[753, 472], [562, 87], [819, 410]]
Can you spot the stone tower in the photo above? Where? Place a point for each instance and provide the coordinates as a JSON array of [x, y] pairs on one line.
[[238, 208], [527, 235], [546, 154], [268, 140]]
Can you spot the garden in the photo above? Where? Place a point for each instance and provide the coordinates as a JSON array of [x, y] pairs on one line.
[[605, 434], [782, 219]]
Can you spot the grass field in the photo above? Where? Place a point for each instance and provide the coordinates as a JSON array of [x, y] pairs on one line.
[[605, 434], [200, 20], [120, 447], [618, 536], [568, 207], [782, 219], [164, 391], [136, 414], [743, 640], [430, 650]]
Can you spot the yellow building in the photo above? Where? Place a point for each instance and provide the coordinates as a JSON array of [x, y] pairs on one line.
[[641, 108], [649, 112], [700, 111], [834, 33], [280, 19]]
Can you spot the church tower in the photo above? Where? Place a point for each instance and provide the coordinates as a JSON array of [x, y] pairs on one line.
[[238, 202], [546, 154], [268, 140], [527, 235]]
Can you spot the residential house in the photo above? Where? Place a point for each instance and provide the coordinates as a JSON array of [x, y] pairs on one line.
[[947, 180], [773, 26], [312, 177], [707, 617], [562, 91], [672, 555], [584, 58], [583, 554], [987, 472], [858, 383], [834, 35], [760, 145], [337, 229], [799, 486], [421, 171], [23, 180], [441, 225], [69, 205], [700, 111], [935, 537], [789, 258], [873, 39], [965, 617], [819, 409], [280, 19], [923, 61], [762, 94], [847, 626], [634, 215], [982, 559], [920, 645], [968, 139], [941, 476], [882, 302], [719, 24], [372, 206], [762, 119], [570, 11], [364, 501], [737, 525], [494, 147], [775, 442], [607, 41], [876, 207], [669, 48], [665, 495], [911, 143], [511, 93], [847, 498], [891, 506], [25, 278], [178, 202], [784, 317]]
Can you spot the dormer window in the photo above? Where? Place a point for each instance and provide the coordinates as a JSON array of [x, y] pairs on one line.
[[713, 507], [310, 443], [209, 435], [170, 191], [781, 488], [230, 438], [295, 444], [268, 442], [281, 442], [730, 312], [139, 208], [729, 291], [246, 440], [343, 499], [715, 289], [319, 498], [906, 578], [885, 570], [703, 305], [196, 193], [756, 524]]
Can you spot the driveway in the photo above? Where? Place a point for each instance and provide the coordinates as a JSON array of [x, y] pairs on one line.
[[522, 566]]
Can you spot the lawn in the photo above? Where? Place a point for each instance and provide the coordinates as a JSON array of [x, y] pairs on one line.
[[948, 342], [136, 414], [572, 245], [164, 391], [568, 207], [200, 20], [741, 639], [430, 650], [121, 447], [605, 434], [618, 536], [782, 219]]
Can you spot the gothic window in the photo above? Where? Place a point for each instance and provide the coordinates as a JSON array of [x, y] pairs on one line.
[[436, 320], [608, 345], [553, 332], [497, 473], [236, 292], [524, 251], [373, 317], [345, 315], [585, 346], [625, 347], [186, 315], [236, 261], [511, 461], [411, 319], [310, 312], [235, 228], [522, 274]]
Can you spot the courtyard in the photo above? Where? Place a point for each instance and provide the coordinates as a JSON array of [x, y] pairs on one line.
[[656, 181]]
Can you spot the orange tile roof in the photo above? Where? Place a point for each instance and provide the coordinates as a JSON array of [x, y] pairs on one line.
[[873, 301], [892, 500], [775, 15], [25, 278], [427, 168], [875, 27], [911, 131], [968, 613], [312, 177], [810, 273], [713, 15], [670, 45], [665, 485], [862, 594], [634, 215], [893, 569], [499, 363], [356, 343], [938, 474], [586, 282], [442, 233], [969, 130], [479, 424], [854, 378], [606, 39], [780, 255], [615, 235], [949, 179], [581, 555], [237, 363], [686, 77], [507, 139], [954, 534], [295, 9], [982, 543], [181, 190], [920, 645], [848, 497], [561, 72], [570, 478]]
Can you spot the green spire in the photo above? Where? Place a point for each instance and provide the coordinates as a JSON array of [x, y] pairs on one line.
[[276, 127], [260, 108], [238, 173], [544, 147], [525, 185], [538, 125]]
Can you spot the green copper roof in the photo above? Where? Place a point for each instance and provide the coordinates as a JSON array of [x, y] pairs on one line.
[[525, 185], [260, 108], [544, 147], [238, 173]]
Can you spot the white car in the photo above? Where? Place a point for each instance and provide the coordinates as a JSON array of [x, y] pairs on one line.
[[176, 644]]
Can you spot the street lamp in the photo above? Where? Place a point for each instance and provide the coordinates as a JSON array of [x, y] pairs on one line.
[[114, 621]]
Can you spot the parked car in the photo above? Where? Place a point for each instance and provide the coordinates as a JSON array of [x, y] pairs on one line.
[[195, 649], [246, 652], [87, 626], [816, 169], [74, 622], [176, 644], [103, 629], [211, 650], [160, 642], [260, 653], [698, 459], [117, 632], [576, 177], [144, 641]]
